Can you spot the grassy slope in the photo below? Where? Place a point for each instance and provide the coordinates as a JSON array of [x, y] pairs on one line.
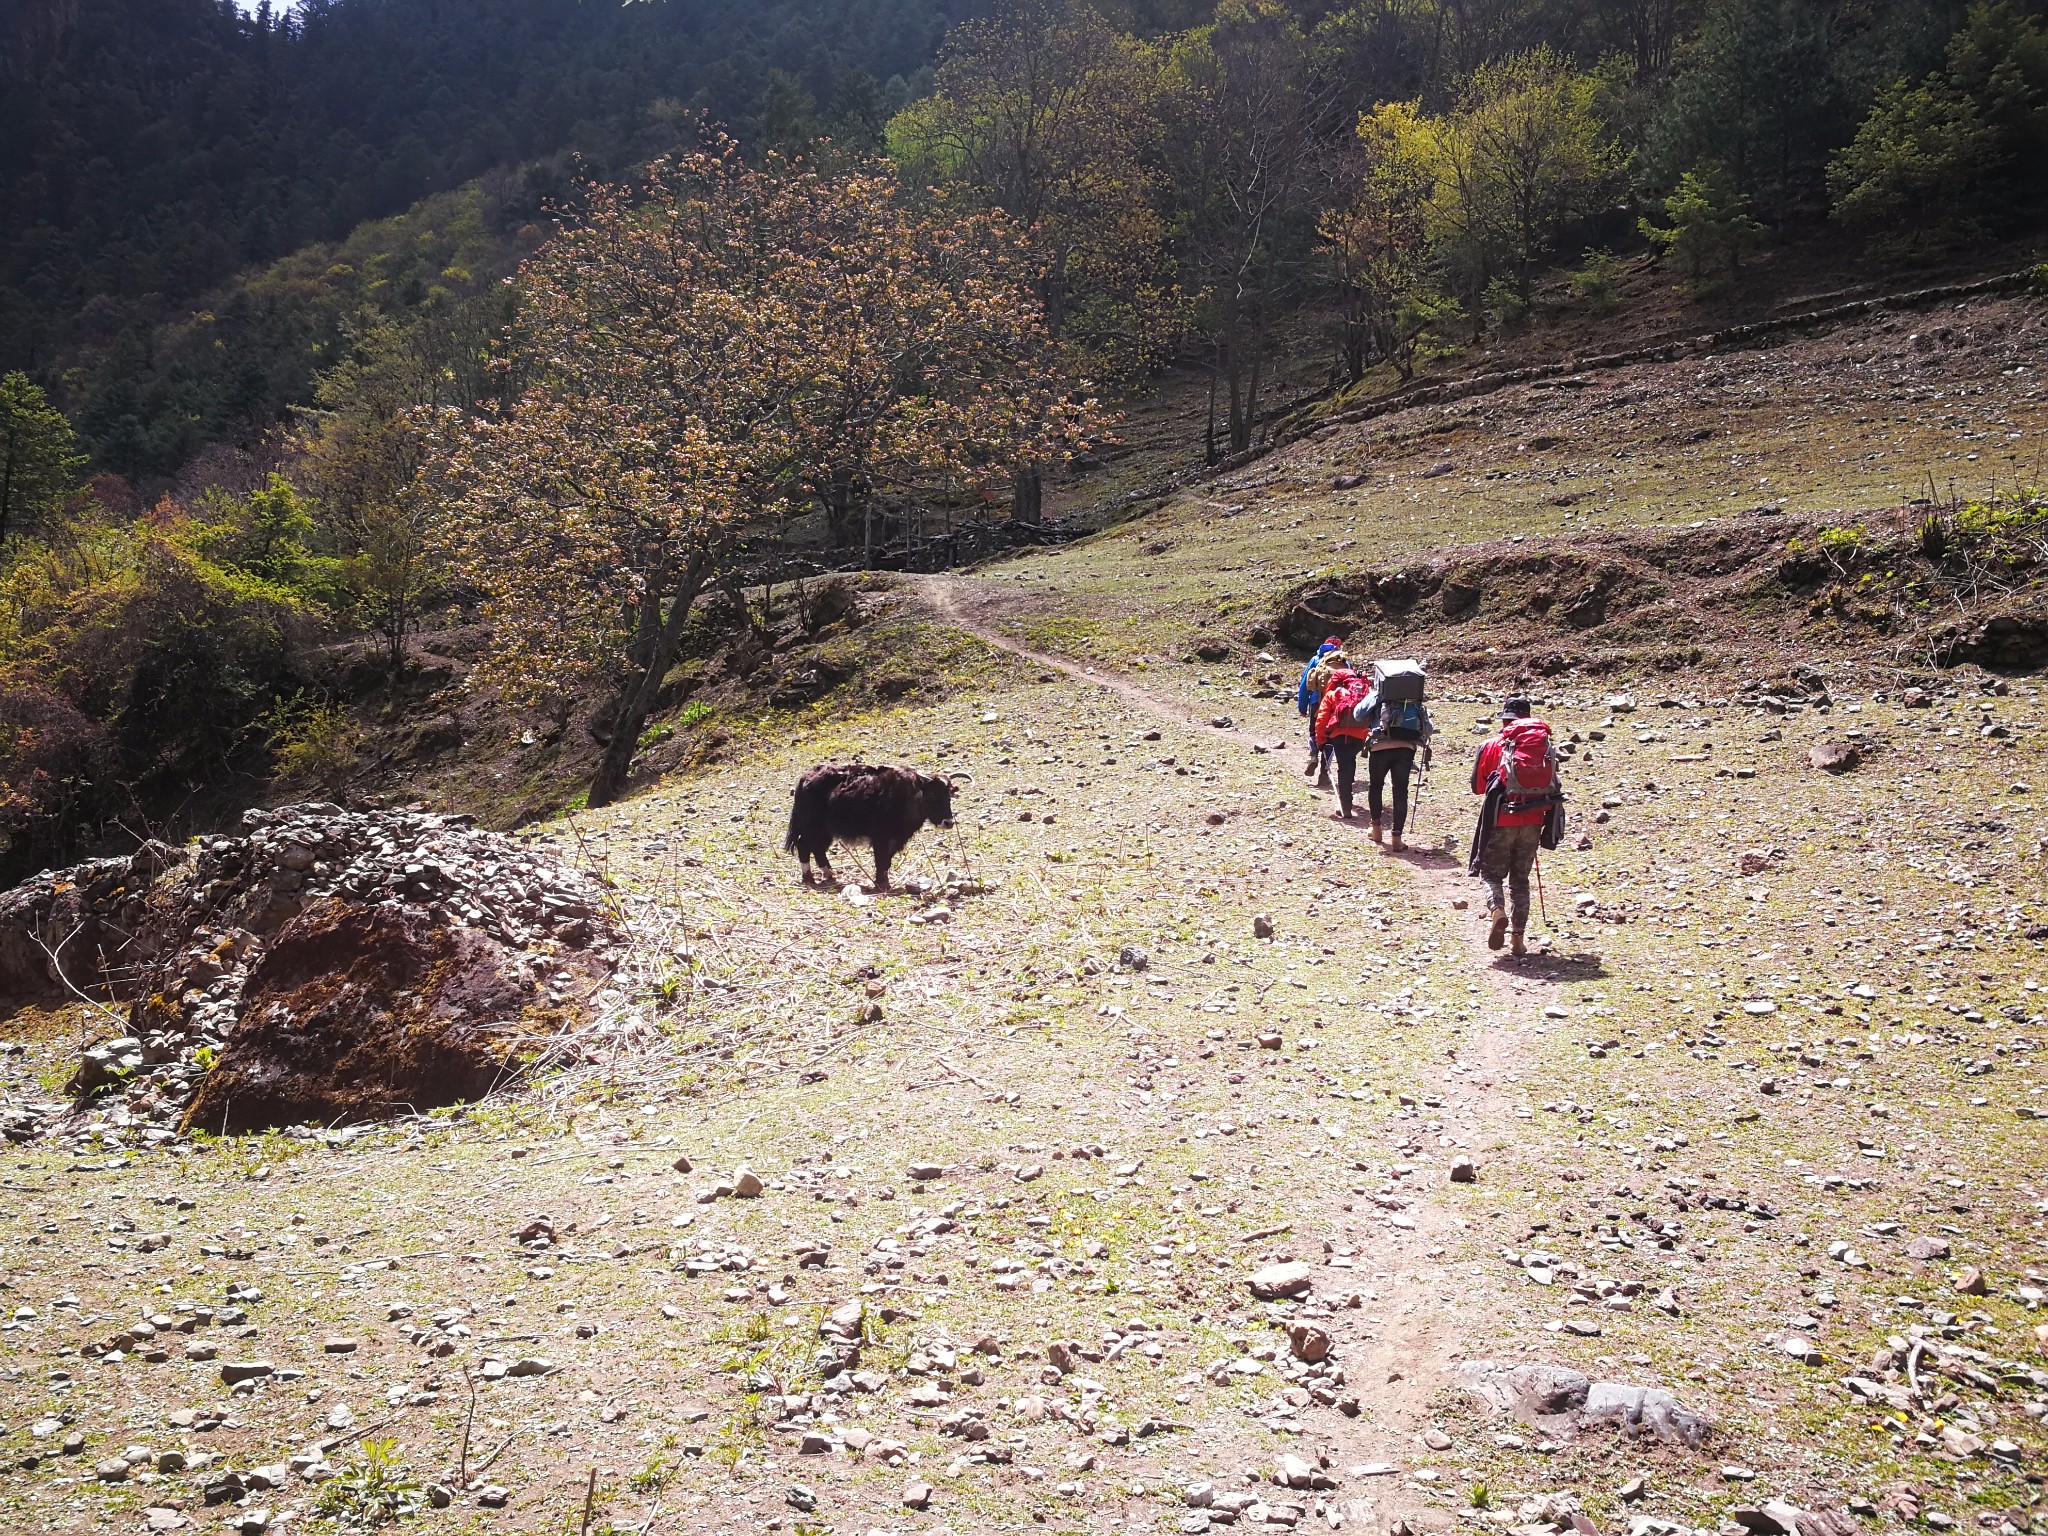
[[1008, 1034]]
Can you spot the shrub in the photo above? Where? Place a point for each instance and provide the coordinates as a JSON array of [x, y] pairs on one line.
[[1596, 281], [1710, 229], [314, 743]]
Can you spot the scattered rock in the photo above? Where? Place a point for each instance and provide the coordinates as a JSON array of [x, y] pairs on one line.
[[1307, 1342], [1835, 756], [1970, 1281], [1278, 1282], [1556, 1398], [1463, 1171], [1262, 927], [1927, 1248], [917, 1495]]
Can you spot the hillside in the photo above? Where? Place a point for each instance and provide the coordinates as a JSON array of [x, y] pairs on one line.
[[1756, 1125]]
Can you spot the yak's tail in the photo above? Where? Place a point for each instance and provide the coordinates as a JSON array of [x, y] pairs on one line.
[[795, 811]]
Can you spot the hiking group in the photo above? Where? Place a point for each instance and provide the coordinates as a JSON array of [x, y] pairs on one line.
[[1381, 712]]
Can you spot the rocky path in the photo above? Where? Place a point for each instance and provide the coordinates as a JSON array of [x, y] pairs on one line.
[[1405, 1367]]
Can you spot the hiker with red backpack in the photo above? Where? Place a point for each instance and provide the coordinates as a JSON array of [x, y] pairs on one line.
[[1522, 811], [1338, 731]]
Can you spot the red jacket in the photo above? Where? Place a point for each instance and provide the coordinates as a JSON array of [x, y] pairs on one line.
[[1333, 715], [1483, 771]]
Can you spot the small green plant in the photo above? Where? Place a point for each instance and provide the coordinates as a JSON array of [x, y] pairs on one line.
[[1482, 1496], [204, 1057], [1596, 281], [696, 712], [374, 1489], [654, 736], [1504, 305], [653, 1476], [314, 743]]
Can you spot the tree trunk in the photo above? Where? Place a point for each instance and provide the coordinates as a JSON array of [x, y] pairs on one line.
[[637, 698], [1027, 495]]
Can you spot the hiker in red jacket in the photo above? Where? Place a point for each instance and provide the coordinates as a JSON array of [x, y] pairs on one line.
[[1339, 731], [1516, 772]]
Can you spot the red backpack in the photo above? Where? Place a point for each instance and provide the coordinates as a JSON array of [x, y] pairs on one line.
[[1347, 692], [1528, 764]]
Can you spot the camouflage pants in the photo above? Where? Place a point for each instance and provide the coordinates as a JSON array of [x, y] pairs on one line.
[[1509, 854]]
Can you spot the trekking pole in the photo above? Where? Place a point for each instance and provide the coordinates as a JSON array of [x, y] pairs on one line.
[[1542, 905]]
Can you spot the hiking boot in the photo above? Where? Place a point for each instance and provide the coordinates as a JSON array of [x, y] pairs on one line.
[[1314, 757], [1378, 835], [1396, 843], [1323, 779], [1498, 933], [1518, 947]]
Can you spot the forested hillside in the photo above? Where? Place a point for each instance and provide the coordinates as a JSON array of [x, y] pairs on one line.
[[152, 149]]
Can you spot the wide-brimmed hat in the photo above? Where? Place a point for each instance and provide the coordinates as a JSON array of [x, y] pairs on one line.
[[1514, 709]]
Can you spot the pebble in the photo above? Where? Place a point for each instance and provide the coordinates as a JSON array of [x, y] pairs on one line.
[[917, 1495]]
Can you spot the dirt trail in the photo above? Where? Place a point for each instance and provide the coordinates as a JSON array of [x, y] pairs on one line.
[[1398, 1370]]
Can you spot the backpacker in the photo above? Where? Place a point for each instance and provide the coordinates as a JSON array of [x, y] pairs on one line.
[[1399, 681], [1528, 766], [1398, 686]]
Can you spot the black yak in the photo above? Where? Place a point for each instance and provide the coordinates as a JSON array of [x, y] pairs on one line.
[[863, 803]]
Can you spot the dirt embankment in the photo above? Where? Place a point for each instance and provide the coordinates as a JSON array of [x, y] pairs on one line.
[[1909, 590]]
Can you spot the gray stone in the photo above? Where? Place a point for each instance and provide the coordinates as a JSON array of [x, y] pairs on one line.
[[1649, 1410], [1544, 1390], [233, 1371], [1278, 1281], [1834, 757], [1927, 1248]]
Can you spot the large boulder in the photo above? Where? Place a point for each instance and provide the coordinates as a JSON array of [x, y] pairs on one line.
[[359, 1013]]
